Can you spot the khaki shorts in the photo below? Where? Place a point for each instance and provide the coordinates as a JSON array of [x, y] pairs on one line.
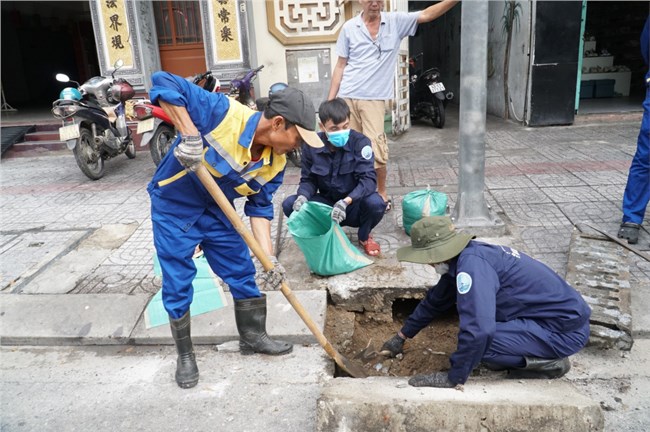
[[367, 117]]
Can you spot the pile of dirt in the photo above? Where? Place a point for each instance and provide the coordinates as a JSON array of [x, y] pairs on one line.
[[359, 337]]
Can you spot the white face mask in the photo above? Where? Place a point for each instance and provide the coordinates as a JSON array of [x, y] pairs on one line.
[[441, 268]]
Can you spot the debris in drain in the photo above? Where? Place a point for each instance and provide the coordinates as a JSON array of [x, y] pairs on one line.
[[359, 335]]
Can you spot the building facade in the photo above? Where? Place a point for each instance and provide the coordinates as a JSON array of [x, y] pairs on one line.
[[538, 51]]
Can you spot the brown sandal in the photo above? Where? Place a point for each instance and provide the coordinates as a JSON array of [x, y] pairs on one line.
[[370, 247]]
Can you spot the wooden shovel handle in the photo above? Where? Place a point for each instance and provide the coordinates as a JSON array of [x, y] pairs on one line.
[[222, 201]]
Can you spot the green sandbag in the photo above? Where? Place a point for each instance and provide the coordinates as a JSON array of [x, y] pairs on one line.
[[327, 249], [422, 203]]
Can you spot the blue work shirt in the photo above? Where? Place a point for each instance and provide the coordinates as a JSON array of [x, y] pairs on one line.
[[348, 171], [490, 284], [370, 70], [227, 129]]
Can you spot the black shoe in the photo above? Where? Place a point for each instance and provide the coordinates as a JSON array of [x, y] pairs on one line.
[[187, 372], [493, 367], [630, 232], [250, 316], [537, 368]]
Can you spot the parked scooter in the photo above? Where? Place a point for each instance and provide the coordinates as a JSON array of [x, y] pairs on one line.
[[428, 96], [294, 156], [241, 88], [94, 120], [157, 128]]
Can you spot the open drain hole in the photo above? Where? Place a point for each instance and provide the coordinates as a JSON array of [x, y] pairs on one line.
[[352, 332]]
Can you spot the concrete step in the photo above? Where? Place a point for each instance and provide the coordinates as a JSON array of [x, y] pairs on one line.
[[109, 319], [30, 146], [42, 135], [46, 138], [382, 404]]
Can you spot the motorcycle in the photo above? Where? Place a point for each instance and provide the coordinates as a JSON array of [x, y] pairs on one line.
[[428, 96], [156, 127], [94, 121], [241, 88], [294, 156]]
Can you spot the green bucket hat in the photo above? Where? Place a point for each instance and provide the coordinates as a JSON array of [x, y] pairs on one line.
[[433, 240]]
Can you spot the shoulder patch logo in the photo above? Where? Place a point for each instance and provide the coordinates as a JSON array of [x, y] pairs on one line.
[[366, 152], [463, 282]]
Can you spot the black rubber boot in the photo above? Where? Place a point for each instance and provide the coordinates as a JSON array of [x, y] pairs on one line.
[[537, 368], [250, 315], [187, 372], [630, 232]]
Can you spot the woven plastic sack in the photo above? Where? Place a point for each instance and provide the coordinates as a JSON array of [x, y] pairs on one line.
[[422, 203], [327, 249]]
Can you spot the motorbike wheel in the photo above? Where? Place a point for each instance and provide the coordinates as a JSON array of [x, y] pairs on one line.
[[295, 157], [89, 161], [130, 150], [439, 116], [161, 142]]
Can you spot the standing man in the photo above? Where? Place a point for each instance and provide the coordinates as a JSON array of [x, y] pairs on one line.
[[341, 174], [515, 313], [367, 50], [244, 151], [637, 190]]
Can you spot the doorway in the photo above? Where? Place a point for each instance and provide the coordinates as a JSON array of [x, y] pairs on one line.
[[180, 37], [39, 40], [612, 67]]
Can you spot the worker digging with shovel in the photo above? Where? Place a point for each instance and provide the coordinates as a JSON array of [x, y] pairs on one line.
[[243, 150]]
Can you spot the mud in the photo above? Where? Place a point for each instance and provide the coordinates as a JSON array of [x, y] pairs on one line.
[[353, 332]]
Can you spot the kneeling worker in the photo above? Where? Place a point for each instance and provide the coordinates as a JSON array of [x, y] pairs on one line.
[[516, 314], [342, 175]]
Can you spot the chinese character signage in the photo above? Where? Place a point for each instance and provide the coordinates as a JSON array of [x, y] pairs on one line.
[[116, 32], [225, 29]]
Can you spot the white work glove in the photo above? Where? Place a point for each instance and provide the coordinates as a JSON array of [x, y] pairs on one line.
[[300, 200], [269, 280], [189, 152], [338, 212]]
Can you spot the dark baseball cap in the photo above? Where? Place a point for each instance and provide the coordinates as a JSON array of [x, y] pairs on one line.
[[296, 107]]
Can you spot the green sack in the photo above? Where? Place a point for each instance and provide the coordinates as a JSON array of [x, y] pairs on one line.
[[422, 203], [327, 249]]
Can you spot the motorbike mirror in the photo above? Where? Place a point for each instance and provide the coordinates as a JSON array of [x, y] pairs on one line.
[[62, 78], [118, 64]]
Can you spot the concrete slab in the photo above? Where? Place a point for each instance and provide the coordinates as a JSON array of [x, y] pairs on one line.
[[63, 275], [381, 404], [219, 326], [24, 254], [110, 388], [600, 271], [83, 319]]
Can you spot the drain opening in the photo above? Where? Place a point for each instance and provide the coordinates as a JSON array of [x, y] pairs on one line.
[[402, 308], [359, 336]]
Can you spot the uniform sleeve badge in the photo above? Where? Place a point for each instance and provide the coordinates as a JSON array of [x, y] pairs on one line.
[[366, 152], [463, 283]]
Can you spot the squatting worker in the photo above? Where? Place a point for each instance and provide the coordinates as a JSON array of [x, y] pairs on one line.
[[516, 314], [341, 175], [244, 151], [367, 50]]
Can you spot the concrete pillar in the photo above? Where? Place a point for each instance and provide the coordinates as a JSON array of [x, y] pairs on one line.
[[471, 209]]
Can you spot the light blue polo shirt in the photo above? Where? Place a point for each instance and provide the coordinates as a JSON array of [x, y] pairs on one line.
[[370, 72]]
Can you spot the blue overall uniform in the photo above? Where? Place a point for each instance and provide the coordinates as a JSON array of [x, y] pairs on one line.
[[182, 211], [637, 190], [509, 306], [327, 177]]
